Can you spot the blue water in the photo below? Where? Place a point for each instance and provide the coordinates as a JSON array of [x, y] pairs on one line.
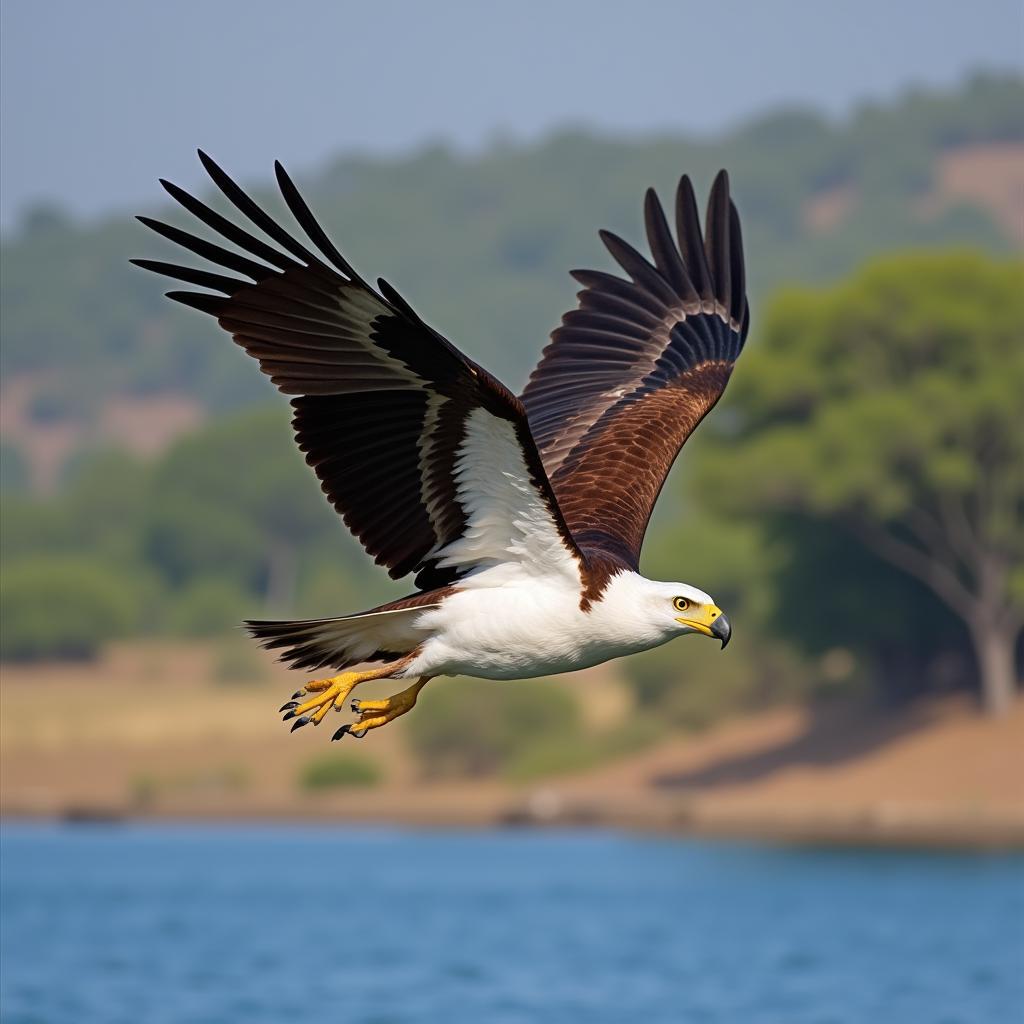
[[250, 924]]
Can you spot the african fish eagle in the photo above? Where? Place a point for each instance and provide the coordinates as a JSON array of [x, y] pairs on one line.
[[522, 518]]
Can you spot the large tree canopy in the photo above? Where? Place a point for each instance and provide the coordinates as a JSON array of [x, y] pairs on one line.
[[891, 405]]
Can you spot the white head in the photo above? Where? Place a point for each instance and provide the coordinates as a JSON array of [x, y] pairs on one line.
[[661, 611]]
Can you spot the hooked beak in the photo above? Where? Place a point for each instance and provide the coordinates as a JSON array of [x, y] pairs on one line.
[[712, 622], [722, 629]]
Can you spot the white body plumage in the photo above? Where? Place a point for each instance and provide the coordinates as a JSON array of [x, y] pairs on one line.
[[535, 626]]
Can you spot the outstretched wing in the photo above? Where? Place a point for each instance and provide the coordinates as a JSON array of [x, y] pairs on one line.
[[628, 376], [427, 457]]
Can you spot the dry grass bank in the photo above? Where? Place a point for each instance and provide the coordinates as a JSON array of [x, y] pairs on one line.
[[155, 729]]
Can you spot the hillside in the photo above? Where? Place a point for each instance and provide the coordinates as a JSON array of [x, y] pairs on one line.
[[93, 355], [94, 741]]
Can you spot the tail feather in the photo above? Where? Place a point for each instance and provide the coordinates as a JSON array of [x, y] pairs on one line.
[[338, 643]]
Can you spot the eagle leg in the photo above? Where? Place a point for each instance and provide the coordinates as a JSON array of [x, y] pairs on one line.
[[332, 693], [375, 713]]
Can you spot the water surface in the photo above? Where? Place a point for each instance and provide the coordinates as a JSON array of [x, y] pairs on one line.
[[161, 923]]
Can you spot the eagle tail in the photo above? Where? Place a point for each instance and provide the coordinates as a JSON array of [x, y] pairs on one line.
[[382, 634]]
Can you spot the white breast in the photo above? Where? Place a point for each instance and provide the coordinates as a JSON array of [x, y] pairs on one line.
[[528, 627]]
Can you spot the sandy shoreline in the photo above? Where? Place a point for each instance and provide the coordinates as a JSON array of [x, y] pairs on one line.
[[884, 825]]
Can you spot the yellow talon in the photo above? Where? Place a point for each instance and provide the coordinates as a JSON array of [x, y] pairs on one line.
[[363, 724], [318, 716], [371, 705], [316, 685], [328, 692], [372, 714], [333, 692]]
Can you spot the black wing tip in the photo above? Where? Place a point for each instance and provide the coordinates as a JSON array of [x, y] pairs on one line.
[[213, 169], [307, 221], [685, 187], [718, 197], [687, 213], [620, 249], [392, 295], [220, 177], [154, 225], [289, 190], [152, 266], [725, 247], [207, 161], [173, 190], [616, 245], [284, 181], [711, 267], [159, 226], [654, 211], [204, 302], [179, 195]]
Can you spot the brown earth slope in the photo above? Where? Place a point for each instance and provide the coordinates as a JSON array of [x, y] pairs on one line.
[[149, 730]]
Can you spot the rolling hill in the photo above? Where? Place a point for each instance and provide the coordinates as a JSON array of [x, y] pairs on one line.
[[481, 244]]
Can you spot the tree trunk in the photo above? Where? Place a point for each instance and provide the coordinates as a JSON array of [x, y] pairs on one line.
[[995, 649], [983, 606]]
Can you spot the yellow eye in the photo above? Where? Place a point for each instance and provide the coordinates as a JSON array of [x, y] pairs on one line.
[[680, 604]]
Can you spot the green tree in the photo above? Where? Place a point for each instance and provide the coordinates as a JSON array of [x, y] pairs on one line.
[[890, 405], [63, 608], [250, 482], [465, 727]]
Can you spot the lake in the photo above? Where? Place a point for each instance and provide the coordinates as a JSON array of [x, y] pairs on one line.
[[223, 924]]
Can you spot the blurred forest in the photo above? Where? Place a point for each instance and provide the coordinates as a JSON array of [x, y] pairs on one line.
[[855, 503]]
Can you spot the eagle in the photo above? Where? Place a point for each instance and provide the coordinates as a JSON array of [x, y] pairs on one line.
[[521, 518]]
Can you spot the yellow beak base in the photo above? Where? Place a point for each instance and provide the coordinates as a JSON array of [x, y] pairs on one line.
[[694, 624], [711, 622]]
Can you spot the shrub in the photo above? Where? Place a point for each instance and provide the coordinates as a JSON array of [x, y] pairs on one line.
[[209, 607], [579, 751], [339, 771], [63, 608], [477, 727], [691, 684]]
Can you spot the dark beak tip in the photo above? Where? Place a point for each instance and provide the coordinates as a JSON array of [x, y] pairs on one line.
[[722, 629]]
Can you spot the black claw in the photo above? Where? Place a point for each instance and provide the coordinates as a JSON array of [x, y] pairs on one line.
[[290, 714], [287, 707], [355, 706], [341, 732], [300, 722], [297, 694]]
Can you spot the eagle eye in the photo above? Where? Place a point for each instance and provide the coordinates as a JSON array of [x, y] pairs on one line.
[[680, 604]]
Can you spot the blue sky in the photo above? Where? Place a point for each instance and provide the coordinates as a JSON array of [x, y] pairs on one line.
[[100, 97]]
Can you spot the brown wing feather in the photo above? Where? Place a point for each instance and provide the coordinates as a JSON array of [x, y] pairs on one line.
[[634, 369]]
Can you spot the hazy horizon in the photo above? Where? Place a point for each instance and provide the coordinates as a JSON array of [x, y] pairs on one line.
[[93, 114]]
